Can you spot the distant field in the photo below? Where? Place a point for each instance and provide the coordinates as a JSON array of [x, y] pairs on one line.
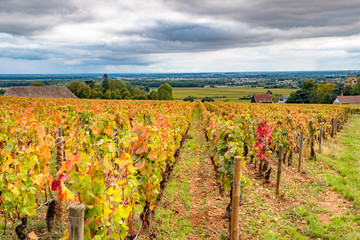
[[229, 92]]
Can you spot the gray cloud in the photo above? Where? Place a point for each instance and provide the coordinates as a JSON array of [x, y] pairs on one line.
[[274, 13], [139, 31], [37, 7], [247, 23], [29, 18]]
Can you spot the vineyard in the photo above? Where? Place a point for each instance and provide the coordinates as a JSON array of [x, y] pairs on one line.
[[258, 130], [115, 157]]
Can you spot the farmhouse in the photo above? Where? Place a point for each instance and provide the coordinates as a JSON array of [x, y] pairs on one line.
[[283, 99], [347, 100], [40, 92], [261, 98]]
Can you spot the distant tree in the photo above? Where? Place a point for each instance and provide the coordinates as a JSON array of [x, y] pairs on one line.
[[140, 97], [139, 92], [90, 83], [96, 94], [74, 86], [116, 94], [314, 97], [116, 84], [105, 83], [356, 89], [131, 88], [80, 89], [325, 89], [145, 88], [165, 92], [189, 99], [2, 92], [37, 84], [98, 87], [154, 95], [269, 92], [125, 94], [309, 85], [300, 96], [328, 98], [275, 97], [107, 94], [347, 90], [339, 89], [308, 93]]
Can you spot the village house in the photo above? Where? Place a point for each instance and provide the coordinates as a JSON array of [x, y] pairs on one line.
[[283, 99], [347, 100], [261, 98]]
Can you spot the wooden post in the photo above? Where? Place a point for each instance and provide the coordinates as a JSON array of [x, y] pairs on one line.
[[336, 126], [320, 137], [236, 199], [59, 141], [301, 150], [333, 127], [312, 142], [278, 177], [76, 221]]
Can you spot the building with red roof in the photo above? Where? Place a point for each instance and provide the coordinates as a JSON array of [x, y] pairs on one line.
[[261, 98], [347, 100]]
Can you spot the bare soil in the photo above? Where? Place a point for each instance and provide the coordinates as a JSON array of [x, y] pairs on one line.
[[204, 212]]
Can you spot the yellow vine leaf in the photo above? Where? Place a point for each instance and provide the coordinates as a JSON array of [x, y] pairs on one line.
[[110, 191], [131, 168], [39, 179], [107, 211], [108, 131], [33, 236], [66, 194]]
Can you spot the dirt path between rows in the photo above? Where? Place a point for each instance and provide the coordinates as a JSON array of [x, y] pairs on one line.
[[191, 206]]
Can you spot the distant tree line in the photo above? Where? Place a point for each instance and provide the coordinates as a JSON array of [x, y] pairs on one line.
[[204, 99], [37, 84], [7, 84], [179, 82], [324, 92], [116, 89]]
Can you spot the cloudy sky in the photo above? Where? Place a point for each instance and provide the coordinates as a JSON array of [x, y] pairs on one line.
[[87, 36]]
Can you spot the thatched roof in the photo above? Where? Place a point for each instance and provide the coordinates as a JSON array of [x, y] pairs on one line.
[[41, 92]]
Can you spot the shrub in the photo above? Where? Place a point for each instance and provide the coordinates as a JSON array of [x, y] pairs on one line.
[[189, 99], [207, 99]]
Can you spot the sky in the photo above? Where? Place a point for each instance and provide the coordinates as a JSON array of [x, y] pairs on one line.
[[160, 36]]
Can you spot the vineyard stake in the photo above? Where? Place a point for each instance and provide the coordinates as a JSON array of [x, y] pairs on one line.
[[76, 221], [312, 142], [333, 128], [336, 127], [278, 178], [320, 137], [59, 160], [236, 199], [301, 150]]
